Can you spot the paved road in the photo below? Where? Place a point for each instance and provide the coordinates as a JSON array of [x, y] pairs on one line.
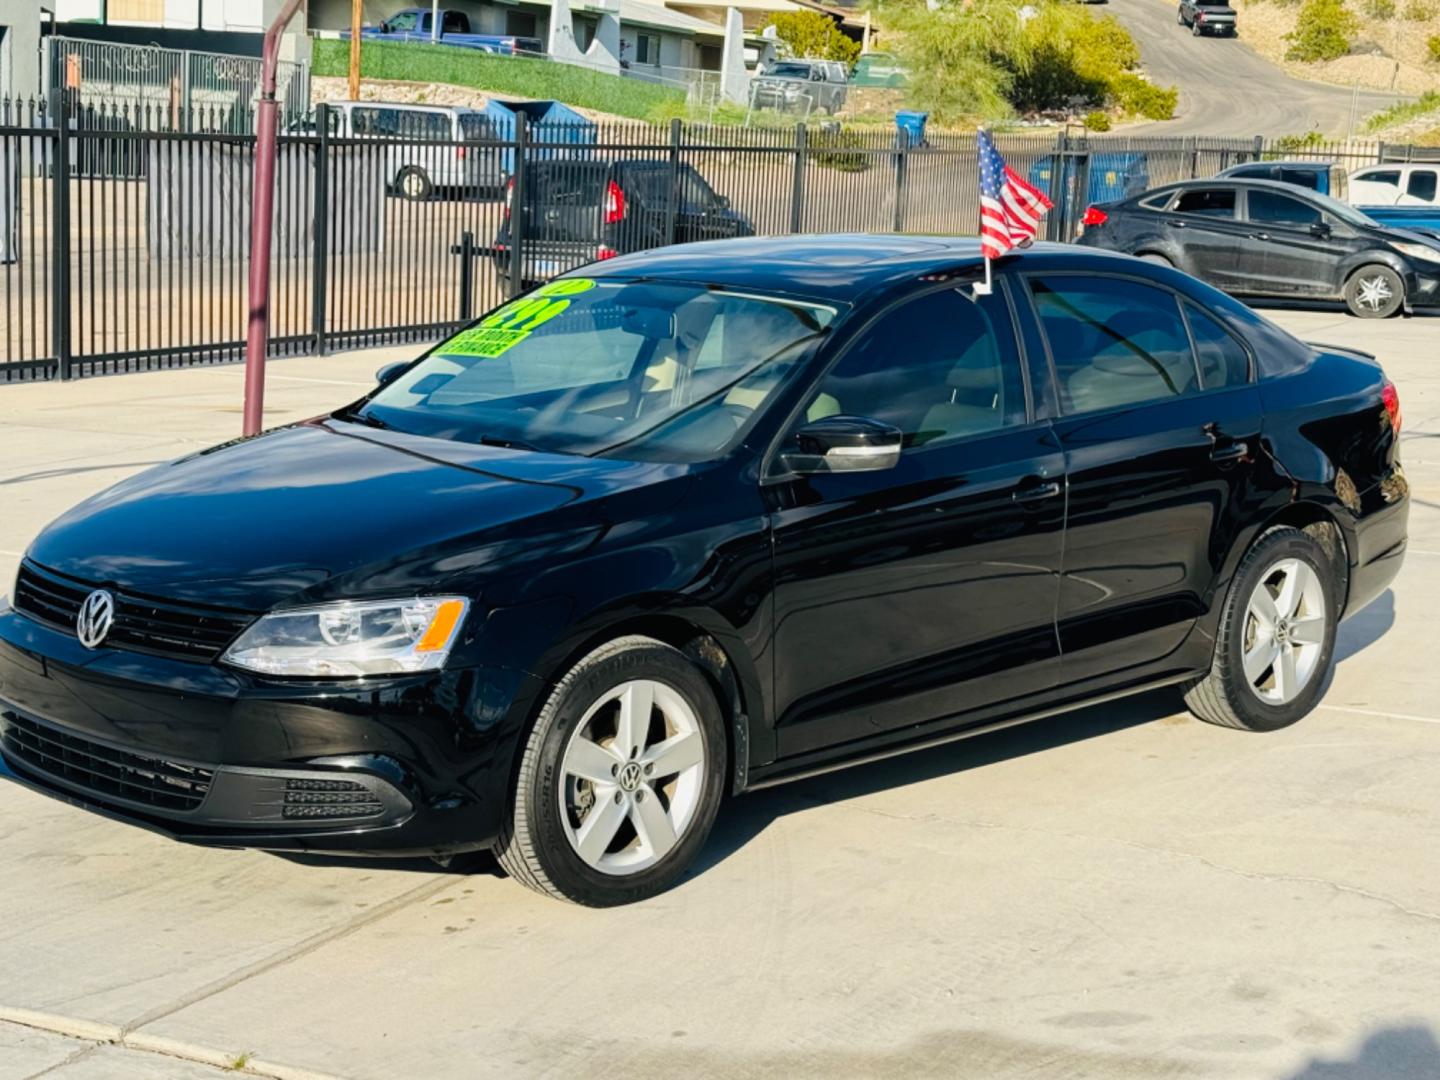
[[1122, 893], [1226, 88]]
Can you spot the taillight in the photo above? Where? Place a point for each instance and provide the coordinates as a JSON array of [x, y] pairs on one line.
[[509, 196], [1391, 397], [1094, 216], [614, 204], [604, 252], [460, 152]]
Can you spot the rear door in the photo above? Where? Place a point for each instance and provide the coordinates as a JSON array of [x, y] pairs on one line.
[[1214, 243], [927, 590], [1294, 259], [1159, 451]]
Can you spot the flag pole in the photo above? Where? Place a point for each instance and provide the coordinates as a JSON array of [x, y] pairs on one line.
[[985, 288]]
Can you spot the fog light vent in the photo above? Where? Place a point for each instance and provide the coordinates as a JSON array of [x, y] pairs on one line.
[[305, 784], [335, 810]]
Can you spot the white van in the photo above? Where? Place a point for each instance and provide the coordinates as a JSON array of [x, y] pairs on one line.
[[1396, 185], [426, 155]]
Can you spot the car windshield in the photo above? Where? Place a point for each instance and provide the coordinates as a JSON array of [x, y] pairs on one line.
[[657, 371], [789, 71]]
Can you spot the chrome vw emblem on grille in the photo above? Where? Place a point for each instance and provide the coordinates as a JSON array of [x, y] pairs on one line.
[[93, 621]]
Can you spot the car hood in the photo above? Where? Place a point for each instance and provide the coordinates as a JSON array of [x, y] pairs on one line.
[[327, 508]]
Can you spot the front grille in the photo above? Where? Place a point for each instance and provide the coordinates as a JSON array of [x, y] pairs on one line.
[[104, 770], [142, 623]]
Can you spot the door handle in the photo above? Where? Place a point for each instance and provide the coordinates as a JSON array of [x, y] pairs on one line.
[[1231, 452], [1176, 224], [1036, 492], [1259, 236]]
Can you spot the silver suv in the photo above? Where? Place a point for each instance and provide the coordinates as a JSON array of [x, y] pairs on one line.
[[802, 86]]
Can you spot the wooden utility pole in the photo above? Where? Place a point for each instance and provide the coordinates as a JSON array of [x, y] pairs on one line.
[[356, 14]]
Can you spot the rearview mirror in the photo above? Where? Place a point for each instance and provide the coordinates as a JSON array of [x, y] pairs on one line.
[[843, 444], [389, 371]]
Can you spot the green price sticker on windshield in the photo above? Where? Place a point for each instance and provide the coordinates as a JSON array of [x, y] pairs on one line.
[[507, 327]]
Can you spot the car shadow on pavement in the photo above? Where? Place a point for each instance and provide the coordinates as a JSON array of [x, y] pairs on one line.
[[743, 819], [1388, 1054], [1365, 627]]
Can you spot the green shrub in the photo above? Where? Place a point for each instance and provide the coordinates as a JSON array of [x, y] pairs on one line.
[[1097, 120], [835, 148], [1404, 111], [1419, 10], [809, 33], [1132, 94], [1433, 45], [1379, 9], [1323, 32], [419, 62], [1289, 144]]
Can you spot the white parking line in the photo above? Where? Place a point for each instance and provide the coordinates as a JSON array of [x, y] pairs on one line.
[[1385, 715]]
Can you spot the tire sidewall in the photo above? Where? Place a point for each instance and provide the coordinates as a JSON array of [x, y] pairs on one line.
[[557, 723], [1286, 543]]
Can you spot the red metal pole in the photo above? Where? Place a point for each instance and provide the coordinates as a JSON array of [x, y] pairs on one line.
[[262, 214]]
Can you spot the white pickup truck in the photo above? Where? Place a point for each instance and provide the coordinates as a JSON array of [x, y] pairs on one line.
[[1411, 184]]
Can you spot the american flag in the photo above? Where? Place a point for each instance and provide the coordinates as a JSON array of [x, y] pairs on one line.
[[1010, 209]]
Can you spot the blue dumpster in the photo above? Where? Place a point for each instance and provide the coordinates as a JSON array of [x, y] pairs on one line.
[[1112, 176], [910, 128], [545, 122]]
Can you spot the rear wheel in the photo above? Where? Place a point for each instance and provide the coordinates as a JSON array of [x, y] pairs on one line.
[[620, 779], [1374, 292], [414, 183], [1277, 635], [1157, 259], [1195, 29]]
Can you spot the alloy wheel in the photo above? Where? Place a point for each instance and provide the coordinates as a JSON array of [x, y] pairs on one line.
[[1374, 293], [1284, 631], [632, 776]]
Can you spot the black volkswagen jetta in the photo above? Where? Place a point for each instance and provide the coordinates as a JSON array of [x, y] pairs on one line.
[[698, 521]]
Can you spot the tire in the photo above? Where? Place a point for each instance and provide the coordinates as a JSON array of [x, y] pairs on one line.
[[631, 855], [1260, 700], [1377, 283], [1157, 259], [1180, 18], [1196, 30], [413, 183]]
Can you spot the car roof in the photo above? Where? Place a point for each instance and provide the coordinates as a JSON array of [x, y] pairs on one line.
[[1316, 166], [1232, 181], [845, 267]]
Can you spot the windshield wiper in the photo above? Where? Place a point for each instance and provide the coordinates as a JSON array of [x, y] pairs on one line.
[[358, 417]]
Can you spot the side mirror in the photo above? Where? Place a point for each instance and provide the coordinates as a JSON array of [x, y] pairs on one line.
[[1320, 230], [843, 444], [722, 202], [390, 371]]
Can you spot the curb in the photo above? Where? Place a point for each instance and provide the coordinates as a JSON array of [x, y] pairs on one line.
[[111, 1034]]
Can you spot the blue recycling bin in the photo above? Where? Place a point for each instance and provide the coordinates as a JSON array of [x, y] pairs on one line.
[[911, 128]]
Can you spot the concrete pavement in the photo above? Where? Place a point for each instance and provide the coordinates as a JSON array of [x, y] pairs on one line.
[[1118, 893]]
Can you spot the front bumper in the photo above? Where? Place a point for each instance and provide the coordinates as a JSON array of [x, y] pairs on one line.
[[397, 766], [1423, 290]]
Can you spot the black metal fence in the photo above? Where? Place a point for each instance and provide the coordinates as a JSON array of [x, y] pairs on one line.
[[125, 249]]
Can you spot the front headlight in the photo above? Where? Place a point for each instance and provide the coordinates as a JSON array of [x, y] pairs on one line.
[[1417, 251], [373, 637]]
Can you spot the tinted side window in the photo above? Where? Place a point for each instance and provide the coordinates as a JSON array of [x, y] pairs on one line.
[[1114, 341], [1275, 209], [1305, 178], [1422, 185], [939, 367], [1214, 202], [1223, 360], [1387, 176]]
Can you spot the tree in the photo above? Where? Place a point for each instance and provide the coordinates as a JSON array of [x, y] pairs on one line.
[[811, 34]]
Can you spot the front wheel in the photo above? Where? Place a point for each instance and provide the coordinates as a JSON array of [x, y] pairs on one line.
[[1180, 17], [620, 778], [1277, 635], [1157, 259], [1374, 292]]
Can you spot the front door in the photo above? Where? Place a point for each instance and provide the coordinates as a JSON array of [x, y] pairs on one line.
[[929, 589], [1295, 258], [1158, 449]]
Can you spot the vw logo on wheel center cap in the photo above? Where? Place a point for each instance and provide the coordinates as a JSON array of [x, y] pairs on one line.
[[630, 776], [94, 618]]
